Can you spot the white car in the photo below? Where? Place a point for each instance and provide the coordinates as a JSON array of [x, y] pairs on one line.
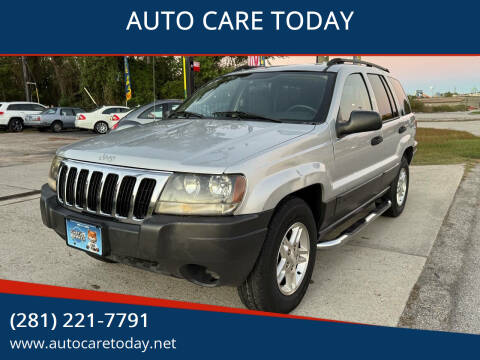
[[12, 114], [100, 120]]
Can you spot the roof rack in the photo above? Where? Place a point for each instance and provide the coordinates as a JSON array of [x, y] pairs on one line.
[[338, 61]]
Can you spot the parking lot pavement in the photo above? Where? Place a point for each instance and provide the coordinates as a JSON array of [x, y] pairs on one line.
[[367, 281], [448, 116], [472, 126], [447, 294], [31, 146]]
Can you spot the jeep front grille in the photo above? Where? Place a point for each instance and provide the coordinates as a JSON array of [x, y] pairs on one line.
[[122, 193]]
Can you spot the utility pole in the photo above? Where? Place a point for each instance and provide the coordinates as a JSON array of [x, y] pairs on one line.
[[188, 78], [25, 78]]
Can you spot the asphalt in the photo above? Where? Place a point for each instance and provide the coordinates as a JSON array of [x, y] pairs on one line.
[[447, 294], [471, 126], [370, 280]]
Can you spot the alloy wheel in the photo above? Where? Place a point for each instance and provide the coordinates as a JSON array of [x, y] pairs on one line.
[[292, 258]]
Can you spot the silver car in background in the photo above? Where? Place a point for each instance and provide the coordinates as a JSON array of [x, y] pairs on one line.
[[56, 118], [155, 111]]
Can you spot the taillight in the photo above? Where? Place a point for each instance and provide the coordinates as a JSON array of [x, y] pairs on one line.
[[115, 117], [81, 117], [115, 126], [38, 118], [1, 112]]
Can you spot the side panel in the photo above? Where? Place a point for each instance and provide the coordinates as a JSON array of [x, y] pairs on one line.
[[291, 166]]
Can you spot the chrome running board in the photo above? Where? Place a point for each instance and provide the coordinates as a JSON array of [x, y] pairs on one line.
[[346, 235]]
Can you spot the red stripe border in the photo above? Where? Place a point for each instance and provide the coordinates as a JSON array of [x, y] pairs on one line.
[[227, 54], [60, 292]]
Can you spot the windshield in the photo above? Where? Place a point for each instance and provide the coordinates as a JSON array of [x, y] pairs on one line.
[[283, 95], [49, 111]]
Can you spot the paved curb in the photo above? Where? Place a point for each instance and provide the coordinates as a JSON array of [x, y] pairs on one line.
[[433, 299]]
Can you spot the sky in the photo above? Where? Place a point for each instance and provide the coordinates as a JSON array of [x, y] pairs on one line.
[[443, 73]]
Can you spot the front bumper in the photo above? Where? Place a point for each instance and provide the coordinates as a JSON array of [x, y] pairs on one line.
[[191, 247]]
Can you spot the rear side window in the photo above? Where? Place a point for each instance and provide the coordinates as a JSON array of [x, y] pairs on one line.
[[383, 100], [67, 112], [123, 110], [109, 111], [15, 107], [354, 97], [78, 111], [404, 104]]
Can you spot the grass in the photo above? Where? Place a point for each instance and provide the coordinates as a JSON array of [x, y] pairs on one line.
[[476, 112], [440, 146]]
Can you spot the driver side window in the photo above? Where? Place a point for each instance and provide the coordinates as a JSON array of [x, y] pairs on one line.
[[354, 97]]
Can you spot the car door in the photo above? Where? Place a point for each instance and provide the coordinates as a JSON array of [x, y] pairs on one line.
[[68, 117], [399, 128], [356, 174], [392, 124]]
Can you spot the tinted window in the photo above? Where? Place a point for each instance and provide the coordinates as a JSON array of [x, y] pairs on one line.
[[282, 95], [404, 104], [174, 106], [383, 101], [14, 107], [391, 98], [35, 107], [109, 111], [354, 97], [123, 110], [152, 113], [67, 112]]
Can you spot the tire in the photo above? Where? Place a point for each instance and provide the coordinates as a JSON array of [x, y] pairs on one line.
[[15, 125], [101, 127], [100, 258], [56, 126], [262, 289], [398, 202]]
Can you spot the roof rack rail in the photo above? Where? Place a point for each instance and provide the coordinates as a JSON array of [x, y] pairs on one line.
[[338, 61]]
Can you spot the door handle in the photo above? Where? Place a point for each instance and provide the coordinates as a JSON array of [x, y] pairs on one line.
[[376, 140], [402, 129]]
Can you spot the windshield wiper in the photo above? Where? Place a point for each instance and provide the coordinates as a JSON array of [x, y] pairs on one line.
[[244, 115], [186, 114]]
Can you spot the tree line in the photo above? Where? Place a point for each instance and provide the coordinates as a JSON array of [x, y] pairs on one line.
[[61, 79]]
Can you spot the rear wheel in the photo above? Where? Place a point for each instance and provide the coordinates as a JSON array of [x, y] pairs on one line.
[[57, 126], [101, 127], [15, 125], [398, 190], [283, 270]]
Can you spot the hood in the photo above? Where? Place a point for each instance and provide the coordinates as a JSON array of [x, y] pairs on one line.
[[185, 145]]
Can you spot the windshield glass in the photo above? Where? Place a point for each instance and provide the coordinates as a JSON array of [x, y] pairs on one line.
[[283, 95], [49, 111]]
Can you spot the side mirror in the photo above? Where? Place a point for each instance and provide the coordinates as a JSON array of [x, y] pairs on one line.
[[360, 121]]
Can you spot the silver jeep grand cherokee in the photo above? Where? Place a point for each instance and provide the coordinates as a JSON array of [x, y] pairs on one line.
[[245, 181]]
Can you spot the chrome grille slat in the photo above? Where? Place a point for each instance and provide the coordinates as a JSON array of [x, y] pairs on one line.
[[126, 194]]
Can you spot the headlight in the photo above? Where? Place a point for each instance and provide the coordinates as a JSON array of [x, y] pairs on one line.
[[195, 194], [52, 175]]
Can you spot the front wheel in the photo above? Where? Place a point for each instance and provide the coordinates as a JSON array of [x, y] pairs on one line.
[[57, 126], [398, 190], [101, 127], [283, 270]]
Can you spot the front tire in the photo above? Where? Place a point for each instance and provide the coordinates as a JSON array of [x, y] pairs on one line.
[[284, 268], [399, 190], [101, 127], [57, 126]]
